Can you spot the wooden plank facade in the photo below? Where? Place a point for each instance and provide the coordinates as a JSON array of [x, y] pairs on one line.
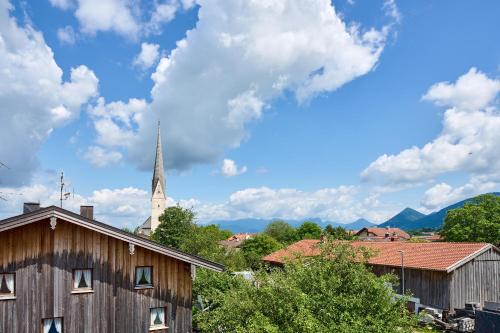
[[477, 280], [43, 261]]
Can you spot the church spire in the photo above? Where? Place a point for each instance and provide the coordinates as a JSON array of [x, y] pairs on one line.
[[158, 176]]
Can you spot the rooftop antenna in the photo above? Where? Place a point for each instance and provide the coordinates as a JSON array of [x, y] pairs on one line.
[[4, 165], [64, 195]]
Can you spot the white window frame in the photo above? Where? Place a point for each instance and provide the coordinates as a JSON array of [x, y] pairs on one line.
[[11, 295], [163, 326], [136, 280], [83, 290], [54, 318]]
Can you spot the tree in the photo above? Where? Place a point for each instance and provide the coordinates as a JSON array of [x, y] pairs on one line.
[[176, 224], [309, 230], [332, 293], [282, 232], [337, 233], [476, 221], [255, 248]]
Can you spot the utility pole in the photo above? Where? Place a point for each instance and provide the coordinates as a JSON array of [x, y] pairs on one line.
[[402, 272]]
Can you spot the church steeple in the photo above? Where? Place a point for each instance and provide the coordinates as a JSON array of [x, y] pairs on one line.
[[158, 190], [158, 176]]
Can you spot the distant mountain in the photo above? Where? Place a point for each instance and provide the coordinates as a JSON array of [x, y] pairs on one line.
[[359, 224], [404, 219], [251, 225], [409, 219], [436, 220]]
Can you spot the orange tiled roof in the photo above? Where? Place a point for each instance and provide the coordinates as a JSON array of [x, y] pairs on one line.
[[426, 256], [381, 232]]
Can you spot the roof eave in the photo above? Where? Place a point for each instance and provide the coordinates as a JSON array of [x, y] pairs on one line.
[[71, 217]]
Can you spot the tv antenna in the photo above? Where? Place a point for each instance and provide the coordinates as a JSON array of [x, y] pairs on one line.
[[4, 165], [64, 195]]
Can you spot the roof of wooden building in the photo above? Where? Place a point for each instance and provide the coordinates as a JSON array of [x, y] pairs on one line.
[[383, 232], [443, 256], [103, 228]]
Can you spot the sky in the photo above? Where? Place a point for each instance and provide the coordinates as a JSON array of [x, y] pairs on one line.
[[268, 108]]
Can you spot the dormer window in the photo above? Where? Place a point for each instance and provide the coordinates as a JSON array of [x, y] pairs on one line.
[[157, 319], [143, 277], [52, 325], [82, 280], [7, 285]]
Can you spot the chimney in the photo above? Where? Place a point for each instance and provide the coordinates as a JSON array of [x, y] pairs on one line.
[[87, 212], [29, 207]]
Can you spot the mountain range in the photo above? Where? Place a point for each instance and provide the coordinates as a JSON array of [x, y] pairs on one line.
[[407, 219]]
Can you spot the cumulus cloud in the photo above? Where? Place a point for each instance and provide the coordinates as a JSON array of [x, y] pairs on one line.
[[128, 18], [472, 91], [239, 57], [66, 35], [100, 157], [119, 207], [148, 56], [468, 141], [443, 194], [34, 99], [229, 168]]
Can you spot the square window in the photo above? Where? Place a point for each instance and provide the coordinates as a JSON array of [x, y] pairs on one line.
[[82, 279], [143, 276], [157, 318], [52, 325], [7, 284]]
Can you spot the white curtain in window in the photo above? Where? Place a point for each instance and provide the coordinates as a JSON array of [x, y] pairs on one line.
[[153, 317], [138, 274], [78, 276], [46, 325], [161, 311], [147, 274], [9, 279], [87, 275], [58, 324]]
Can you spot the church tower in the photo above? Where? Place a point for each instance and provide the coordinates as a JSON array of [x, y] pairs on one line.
[[158, 190]]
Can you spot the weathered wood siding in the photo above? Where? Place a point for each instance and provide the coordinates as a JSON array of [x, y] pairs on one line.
[[477, 281], [43, 261], [432, 287]]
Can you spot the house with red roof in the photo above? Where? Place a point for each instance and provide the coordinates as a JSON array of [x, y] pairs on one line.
[[382, 234], [442, 275]]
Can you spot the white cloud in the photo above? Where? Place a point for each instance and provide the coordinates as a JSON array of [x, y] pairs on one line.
[[472, 91], [66, 35], [391, 10], [107, 15], [33, 97], [230, 169], [148, 56], [240, 56], [442, 194], [61, 4], [468, 141], [99, 157], [128, 18]]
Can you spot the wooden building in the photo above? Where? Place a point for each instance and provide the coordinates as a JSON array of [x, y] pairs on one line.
[[63, 272], [442, 275]]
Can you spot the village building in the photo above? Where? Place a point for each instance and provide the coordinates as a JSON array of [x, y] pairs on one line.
[[382, 234], [442, 275], [158, 192], [65, 272], [236, 240]]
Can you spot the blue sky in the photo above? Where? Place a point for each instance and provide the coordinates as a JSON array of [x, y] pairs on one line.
[[302, 108]]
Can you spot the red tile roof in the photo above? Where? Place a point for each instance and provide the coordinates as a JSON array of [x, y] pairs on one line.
[[425, 256], [382, 232]]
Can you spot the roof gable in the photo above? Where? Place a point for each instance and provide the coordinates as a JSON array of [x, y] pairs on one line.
[[53, 211]]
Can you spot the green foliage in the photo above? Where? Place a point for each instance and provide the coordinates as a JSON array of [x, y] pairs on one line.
[[476, 221], [309, 230], [176, 224], [203, 240], [337, 233], [332, 293], [282, 232], [255, 248]]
